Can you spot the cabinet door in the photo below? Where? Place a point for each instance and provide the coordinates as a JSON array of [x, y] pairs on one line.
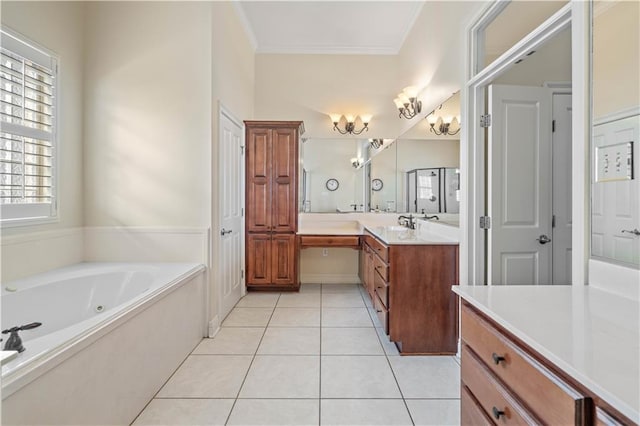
[[283, 177], [283, 259], [258, 183], [259, 259]]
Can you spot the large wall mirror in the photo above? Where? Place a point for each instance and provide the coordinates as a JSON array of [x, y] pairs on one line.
[[615, 160], [416, 173]]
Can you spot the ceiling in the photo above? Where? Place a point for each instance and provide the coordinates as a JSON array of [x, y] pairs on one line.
[[329, 27]]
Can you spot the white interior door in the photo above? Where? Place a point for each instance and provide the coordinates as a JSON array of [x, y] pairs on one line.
[[616, 204], [519, 185], [561, 238], [230, 178]]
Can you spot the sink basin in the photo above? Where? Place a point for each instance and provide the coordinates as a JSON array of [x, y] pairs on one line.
[[396, 228]]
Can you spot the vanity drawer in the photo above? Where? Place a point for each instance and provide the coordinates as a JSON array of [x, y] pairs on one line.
[[471, 413], [378, 248], [550, 398], [382, 313], [349, 241], [495, 400], [381, 268], [381, 289]]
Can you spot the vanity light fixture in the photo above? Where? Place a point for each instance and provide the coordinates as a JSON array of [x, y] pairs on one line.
[[407, 103], [442, 126], [350, 123], [376, 143]]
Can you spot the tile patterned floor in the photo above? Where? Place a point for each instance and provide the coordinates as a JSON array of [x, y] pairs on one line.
[[318, 357]]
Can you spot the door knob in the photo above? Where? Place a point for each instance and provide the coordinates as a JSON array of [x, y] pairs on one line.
[[543, 239], [225, 232], [635, 232]]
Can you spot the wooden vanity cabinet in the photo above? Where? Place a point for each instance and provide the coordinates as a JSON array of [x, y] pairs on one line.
[[511, 386], [271, 204], [410, 289]]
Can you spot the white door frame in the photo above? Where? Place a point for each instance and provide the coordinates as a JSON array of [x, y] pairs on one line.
[[224, 111], [472, 253]]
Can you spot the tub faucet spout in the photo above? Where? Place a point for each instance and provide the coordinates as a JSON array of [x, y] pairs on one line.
[[14, 342]]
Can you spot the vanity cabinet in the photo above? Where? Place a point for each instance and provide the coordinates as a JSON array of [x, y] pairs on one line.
[[503, 382], [271, 259], [271, 204], [410, 289]]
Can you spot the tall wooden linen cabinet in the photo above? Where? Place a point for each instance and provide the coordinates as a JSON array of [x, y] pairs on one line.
[[272, 149]]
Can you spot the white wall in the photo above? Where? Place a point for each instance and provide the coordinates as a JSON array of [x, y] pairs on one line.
[[309, 87], [433, 56], [148, 113], [232, 85], [141, 85], [59, 28], [616, 57], [550, 63]]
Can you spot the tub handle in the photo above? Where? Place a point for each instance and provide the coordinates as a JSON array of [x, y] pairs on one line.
[[14, 342]]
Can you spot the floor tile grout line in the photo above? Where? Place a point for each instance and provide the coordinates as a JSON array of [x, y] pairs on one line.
[[155, 395], [309, 399], [251, 363], [320, 364], [404, 401]]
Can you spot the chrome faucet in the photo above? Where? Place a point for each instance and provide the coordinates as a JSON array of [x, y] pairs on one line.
[[408, 221]]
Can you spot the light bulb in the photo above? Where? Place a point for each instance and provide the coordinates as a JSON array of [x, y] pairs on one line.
[[432, 119], [448, 119], [403, 98], [398, 103], [349, 118], [366, 118], [335, 118], [410, 91]]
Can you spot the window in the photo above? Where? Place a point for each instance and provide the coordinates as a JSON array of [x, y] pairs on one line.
[[27, 131]]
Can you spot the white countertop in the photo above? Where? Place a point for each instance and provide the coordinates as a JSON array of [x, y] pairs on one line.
[[590, 334], [395, 236], [383, 226]]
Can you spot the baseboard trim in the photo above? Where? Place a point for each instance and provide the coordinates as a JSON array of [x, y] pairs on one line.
[[329, 279], [214, 327]]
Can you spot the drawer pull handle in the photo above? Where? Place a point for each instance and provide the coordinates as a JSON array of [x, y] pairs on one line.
[[497, 413], [497, 358]]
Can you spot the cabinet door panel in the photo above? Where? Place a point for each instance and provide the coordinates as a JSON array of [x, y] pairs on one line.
[[258, 259], [284, 176], [283, 259], [258, 180]]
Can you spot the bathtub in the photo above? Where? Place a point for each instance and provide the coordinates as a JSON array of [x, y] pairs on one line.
[[111, 334]]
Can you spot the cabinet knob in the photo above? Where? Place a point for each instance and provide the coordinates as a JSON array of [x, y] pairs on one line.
[[497, 413], [497, 358]]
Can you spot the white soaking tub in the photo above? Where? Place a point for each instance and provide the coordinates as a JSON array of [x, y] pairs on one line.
[[111, 334]]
